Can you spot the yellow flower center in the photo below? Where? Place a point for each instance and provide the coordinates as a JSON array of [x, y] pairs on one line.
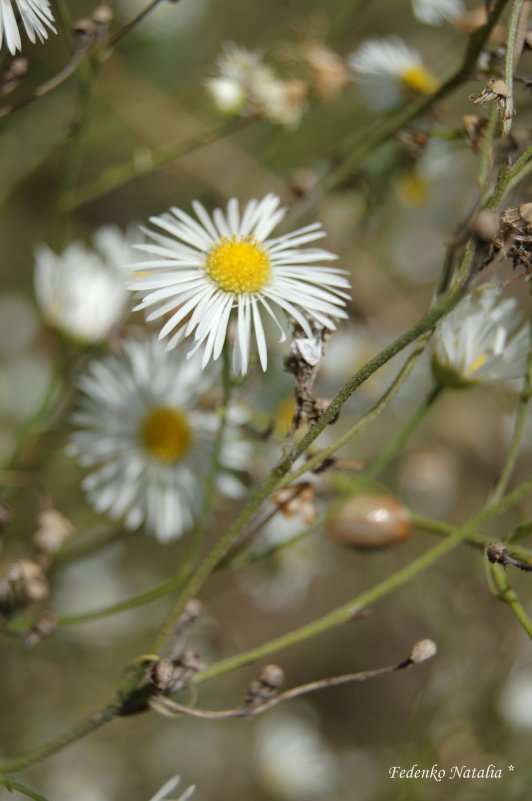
[[412, 190], [419, 80], [239, 266], [165, 433], [477, 364]]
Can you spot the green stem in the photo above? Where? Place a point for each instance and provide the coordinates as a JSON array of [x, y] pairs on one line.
[[486, 156], [478, 541], [119, 35], [90, 724], [10, 784], [512, 56], [363, 422], [198, 533], [271, 483], [507, 594], [65, 20], [345, 612], [143, 162], [165, 588], [74, 148]]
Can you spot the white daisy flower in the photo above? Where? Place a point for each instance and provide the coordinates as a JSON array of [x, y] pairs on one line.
[[82, 292], [140, 428], [389, 71], [199, 273], [434, 12], [482, 340], [168, 787], [36, 17], [244, 84]]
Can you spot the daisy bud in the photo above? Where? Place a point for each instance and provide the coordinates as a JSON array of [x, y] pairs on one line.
[[270, 681], [370, 521], [422, 651]]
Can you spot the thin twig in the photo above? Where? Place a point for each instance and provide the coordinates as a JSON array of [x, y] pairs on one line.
[[169, 707]]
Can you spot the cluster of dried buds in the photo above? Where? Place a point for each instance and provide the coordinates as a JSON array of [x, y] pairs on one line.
[[507, 236], [24, 582], [297, 499], [497, 92], [304, 362], [91, 30]]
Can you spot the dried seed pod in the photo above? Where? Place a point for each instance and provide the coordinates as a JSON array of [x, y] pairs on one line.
[[54, 529], [485, 226], [24, 583], [268, 684], [370, 521], [162, 674], [422, 651]]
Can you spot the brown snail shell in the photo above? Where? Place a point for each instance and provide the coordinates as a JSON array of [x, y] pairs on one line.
[[370, 521]]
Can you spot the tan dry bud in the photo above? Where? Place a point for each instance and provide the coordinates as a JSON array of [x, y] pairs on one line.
[[296, 499], [103, 15], [474, 129], [370, 521], [476, 18], [329, 73], [485, 226], [23, 583], [162, 674], [54, 529], [422, 651], [496, 91], [272, 676]]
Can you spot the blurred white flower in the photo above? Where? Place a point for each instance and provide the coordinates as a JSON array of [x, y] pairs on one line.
[[293, 761], [244, 84], [482, 340], [434, 12], [389, 71], [169, 787], [140, 428], [81, 292], [515, 700], [199, 272], [35, 15]]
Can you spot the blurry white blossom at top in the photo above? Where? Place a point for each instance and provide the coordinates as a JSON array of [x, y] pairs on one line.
[[482, 340], [293, 761], [244, 84], [200, 271], [81, 292], [168, 19], [36, 17], [148, 441], [389, 72], [434, 12], [168, 787]]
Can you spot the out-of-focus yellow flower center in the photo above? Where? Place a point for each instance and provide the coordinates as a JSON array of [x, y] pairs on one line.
[[420, 80], [239, 266], [412, 190], [165, 433], [477, 364]]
